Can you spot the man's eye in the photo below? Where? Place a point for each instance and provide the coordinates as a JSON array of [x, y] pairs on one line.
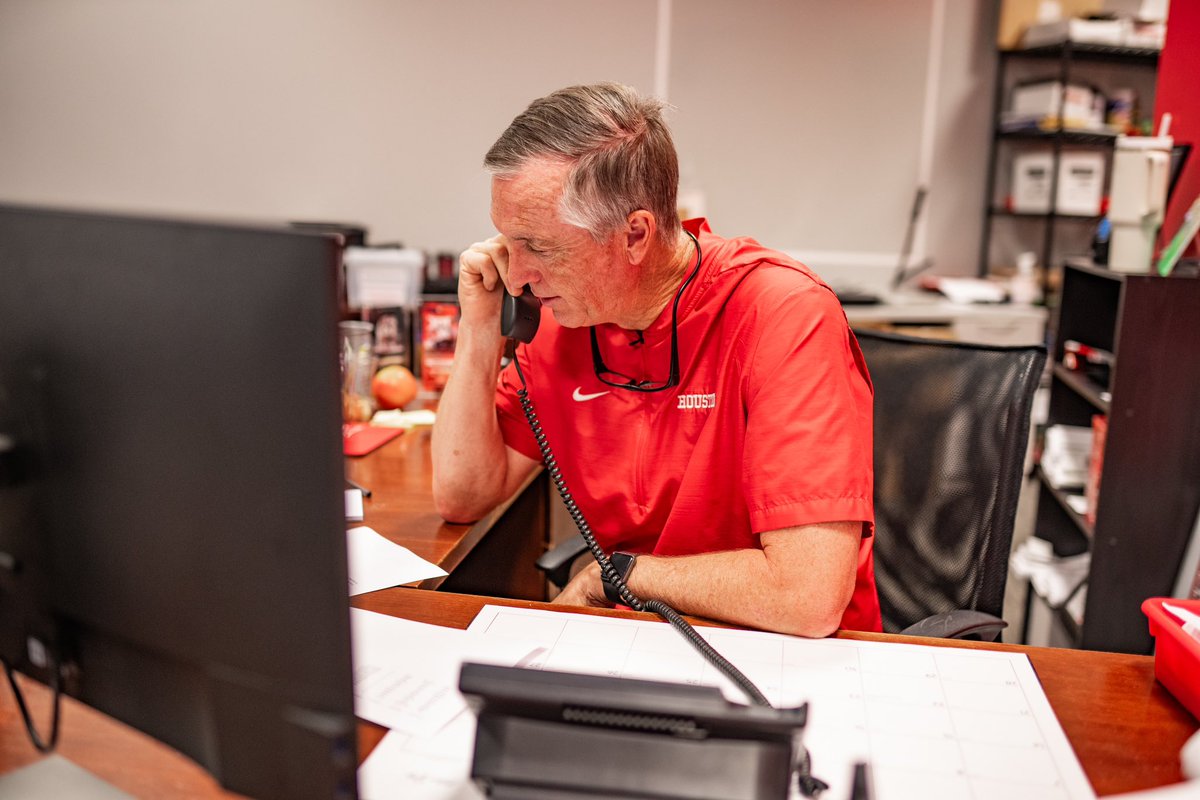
[[535, 251]]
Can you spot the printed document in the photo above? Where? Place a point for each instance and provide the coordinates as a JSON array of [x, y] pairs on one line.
[[422, 768], [406, 673], [932, 721]]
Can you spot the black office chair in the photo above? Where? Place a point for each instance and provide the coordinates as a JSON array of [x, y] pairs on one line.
[[951, 430]]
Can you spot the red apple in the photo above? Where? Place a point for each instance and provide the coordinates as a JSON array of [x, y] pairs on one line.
[[394, 387]]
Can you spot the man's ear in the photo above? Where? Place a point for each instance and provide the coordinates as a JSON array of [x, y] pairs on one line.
[[640, 230]]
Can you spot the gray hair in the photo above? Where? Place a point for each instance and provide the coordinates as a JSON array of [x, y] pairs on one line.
[[621, 155]]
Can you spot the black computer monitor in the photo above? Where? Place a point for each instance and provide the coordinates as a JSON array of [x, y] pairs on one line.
[[171, 478]]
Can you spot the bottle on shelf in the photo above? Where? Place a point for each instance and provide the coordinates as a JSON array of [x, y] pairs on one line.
[[1100, 242], [1023, 287]]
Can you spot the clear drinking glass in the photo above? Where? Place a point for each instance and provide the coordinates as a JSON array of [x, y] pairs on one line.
[[358, 367]]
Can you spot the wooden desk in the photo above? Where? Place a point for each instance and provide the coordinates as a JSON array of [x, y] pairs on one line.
[[1125, 728], [492, 557]]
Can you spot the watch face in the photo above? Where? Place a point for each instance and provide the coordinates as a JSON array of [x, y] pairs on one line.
[[623, 565]]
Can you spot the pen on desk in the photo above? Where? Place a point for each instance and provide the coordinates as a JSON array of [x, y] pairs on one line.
[[861, 788], [354, 485]]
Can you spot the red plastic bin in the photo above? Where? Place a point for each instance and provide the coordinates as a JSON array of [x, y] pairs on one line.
[[1176, 654]]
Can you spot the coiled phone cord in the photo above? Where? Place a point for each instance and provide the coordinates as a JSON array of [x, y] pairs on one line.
[[609, 571]]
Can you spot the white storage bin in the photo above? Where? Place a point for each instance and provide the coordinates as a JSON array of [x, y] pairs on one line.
[[1031, 182], [1080, 182]]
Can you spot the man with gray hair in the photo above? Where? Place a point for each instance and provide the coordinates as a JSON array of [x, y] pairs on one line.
[[705, 399]]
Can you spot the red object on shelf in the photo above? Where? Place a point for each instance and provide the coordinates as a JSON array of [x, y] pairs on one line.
[[1095, 466], [1176, 654], [360, 438], [439, 335]]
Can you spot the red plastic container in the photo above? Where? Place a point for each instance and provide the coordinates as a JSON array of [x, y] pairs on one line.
[[1176, 654]]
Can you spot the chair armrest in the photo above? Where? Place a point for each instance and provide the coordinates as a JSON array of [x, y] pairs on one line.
[[959, 624], [556, 562]]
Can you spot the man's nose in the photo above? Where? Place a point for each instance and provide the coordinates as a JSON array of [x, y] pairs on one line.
[[520, 272]]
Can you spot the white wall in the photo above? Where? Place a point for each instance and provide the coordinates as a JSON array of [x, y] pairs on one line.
[[801, 121], [962, 132]]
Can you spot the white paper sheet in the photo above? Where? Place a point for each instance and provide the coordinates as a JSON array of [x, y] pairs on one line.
[[395, 418], [932, 721], [1189, 790], [1190, 620], [354, 505], [406, 673], [377, 562], [970, 290], [422, 768]]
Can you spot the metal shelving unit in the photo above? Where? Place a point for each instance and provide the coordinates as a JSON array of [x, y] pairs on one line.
[[1065, 59]]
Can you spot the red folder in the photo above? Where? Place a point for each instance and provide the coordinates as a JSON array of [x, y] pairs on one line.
[[360, 438]]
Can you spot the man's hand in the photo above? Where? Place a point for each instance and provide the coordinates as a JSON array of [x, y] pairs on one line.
[[473, 470], [585, 589], [482, 276]]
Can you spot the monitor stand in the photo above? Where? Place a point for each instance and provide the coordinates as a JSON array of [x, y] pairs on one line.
[[54, 778]]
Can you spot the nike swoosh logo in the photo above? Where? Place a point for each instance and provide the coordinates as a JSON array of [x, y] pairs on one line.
[[581, 397]]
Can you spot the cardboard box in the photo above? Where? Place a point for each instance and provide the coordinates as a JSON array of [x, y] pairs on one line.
[[1081, 107], [1018, 15], [1082, 31], [439, 335]]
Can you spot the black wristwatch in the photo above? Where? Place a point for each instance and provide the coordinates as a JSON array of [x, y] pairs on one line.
[[623, 564]]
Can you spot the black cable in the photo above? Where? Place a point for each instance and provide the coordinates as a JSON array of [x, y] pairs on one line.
[[56, 685], [808, 784]]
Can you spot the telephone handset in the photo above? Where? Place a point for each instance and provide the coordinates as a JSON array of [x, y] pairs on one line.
[[520, 315]]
